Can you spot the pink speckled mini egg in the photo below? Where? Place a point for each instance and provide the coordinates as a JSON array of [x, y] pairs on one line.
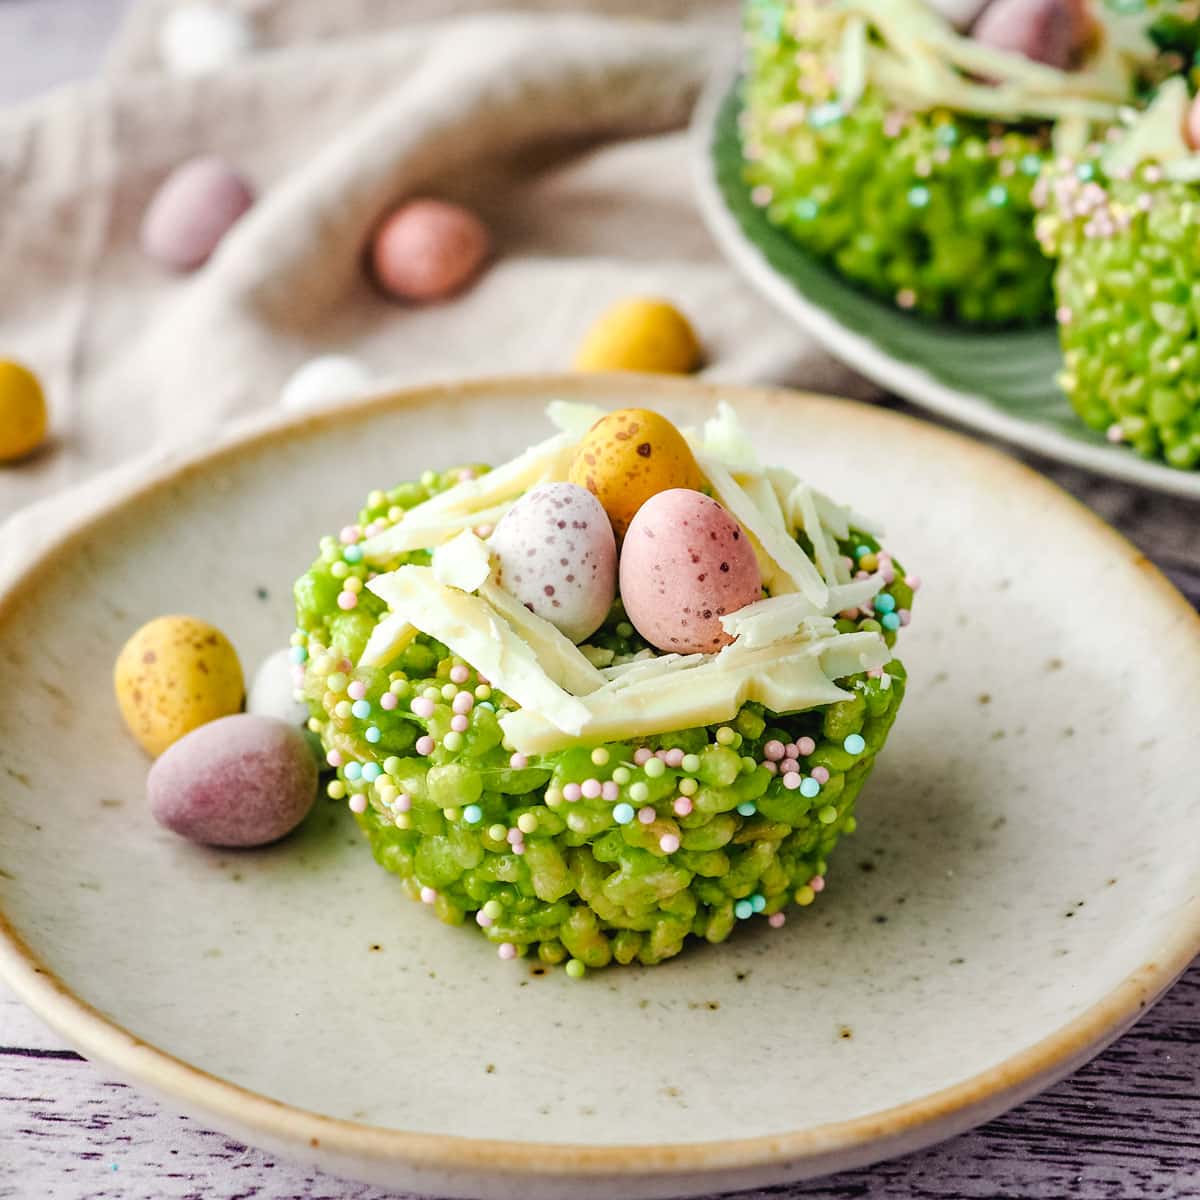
[[192, 211], [555, 551], [685, 563], [428, 249], [1193, 124]]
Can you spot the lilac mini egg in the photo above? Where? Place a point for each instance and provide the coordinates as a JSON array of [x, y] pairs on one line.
[[243, 780], [1053, 32], [686, 563], [555, 551], [192, 211]]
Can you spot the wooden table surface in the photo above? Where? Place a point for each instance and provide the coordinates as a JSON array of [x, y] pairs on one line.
[[1127, 1126]]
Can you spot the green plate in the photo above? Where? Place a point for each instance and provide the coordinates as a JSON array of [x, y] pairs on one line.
[[1001, 383]]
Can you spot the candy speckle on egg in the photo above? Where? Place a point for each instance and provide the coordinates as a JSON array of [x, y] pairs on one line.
[[555, 551], [640, 335], [244, 780], [428, 249], [192, 211], [685, 563], [629, 456], [173, 675], [22, 411]]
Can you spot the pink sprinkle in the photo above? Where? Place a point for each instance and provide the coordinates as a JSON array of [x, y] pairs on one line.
[[875, 673], [761, 195], [357, 690], [334, 758], [661, 753], [609, 790], [591, 788], [774, 750], [862, 574], [425, 745], [789, 766], [466, 473], [459, 674], [460, 724], [507, 950], [805, 746], [463, 702], [675, 757], [848, 614], [403, 802], [388, 701], [518, 847], [376, 527], [914, 583], [483, 920], [350, 534], [889, 576], [422, 706], [668, 843], [1064, 314], [771, 768], [817, 883], [347, 600], [572, 792], [428, 895], [791, 780], [646, 815], [485, 530], [1115, 433], [683, 805], [847, 562], [821, 774], [791, 750], [905, 616], [297, 675], [513, 836], [641, 756], [777, 920], [518, 762], [358, 804]]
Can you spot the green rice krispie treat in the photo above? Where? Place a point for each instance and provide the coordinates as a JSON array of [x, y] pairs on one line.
[[904, 153], [1123, 221], [590, 754]]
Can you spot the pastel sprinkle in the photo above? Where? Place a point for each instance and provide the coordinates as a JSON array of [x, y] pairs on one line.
[[371, 771], [575, 969], [460, 724], [884, 603], [453, 741], [428, 895], [854, 744], [789, 766], [747, 808], [507, 951], [641, 756], [403, 802], [388, 701], [527, 822], [682, 806], [353, 770], [572, 792], [334, 758], [361, 708], [600, 757], [743, 910], [810, 788], [518, 762], [462, 703], [890, 620], [459, 674], [805, 746], [357, 690], [674, 758], [639, 792], [821, 774], [373, 735], [358, 803], [691, 763], [655, 768], [905, 616], [804, 896], [623, 813], [591, 788], [353, 553], [817, 883], [774, 751], [472, 814], [758, 902], [914, 583], [483, 920], [425, 744], [646, 815], [791, 780], [422, 706], [513, 836], [668, 843], [609, 790], [297, 654], [777, 920], [346, 601]]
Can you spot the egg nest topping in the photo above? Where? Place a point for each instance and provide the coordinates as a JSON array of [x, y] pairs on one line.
[[604, 802]]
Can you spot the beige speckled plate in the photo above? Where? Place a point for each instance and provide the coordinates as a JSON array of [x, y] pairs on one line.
[[1023, 884]]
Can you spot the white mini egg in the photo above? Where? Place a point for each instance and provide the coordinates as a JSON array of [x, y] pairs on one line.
[[555, 551], [273, 690], [195, 39], [322, 380]]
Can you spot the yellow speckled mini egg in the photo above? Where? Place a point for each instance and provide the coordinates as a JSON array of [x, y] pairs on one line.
[[629, 456], [174, 675], [640, 335], [22, 411]]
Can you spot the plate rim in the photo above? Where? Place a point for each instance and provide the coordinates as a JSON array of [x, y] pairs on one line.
[[861, 354], [868, 1137]]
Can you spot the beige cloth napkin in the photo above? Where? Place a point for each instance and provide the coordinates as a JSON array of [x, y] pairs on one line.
[[566, 130]]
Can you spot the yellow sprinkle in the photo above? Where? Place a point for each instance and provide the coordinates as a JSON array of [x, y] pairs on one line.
[[805, 896]]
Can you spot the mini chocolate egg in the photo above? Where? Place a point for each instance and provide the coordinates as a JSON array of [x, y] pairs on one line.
[[1054, 32], [629, 456], [428, 249], [22, 411], [273, 689], [686, 563], [173, 675], [555, 551], [640, 335], [192, 211], [322, 380], [244, 780], [1192, 125], [197, 38]]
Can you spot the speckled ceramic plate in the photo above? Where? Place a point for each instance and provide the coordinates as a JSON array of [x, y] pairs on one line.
[[1023, 883], [999, 382]]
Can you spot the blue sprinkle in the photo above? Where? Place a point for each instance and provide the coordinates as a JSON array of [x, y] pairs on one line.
[[884, 602], [472, 814], [373, 735], [918, 196], [807, 209], [947, 135], [743, 910], [859, 551], [854, 744], [623, 814], [825, 114], [353, 554], [997, 195], [486, 704], [747, 808], [352, 770], [1085, 171], [758, 902], [890, 620], [361, 708], [297, 654], [809, 787], [371, 772]]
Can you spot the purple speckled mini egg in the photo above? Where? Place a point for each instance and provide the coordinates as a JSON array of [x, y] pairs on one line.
[[192, 211], [1053, 32], [244, 780], [556, 553], [685, 563]]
